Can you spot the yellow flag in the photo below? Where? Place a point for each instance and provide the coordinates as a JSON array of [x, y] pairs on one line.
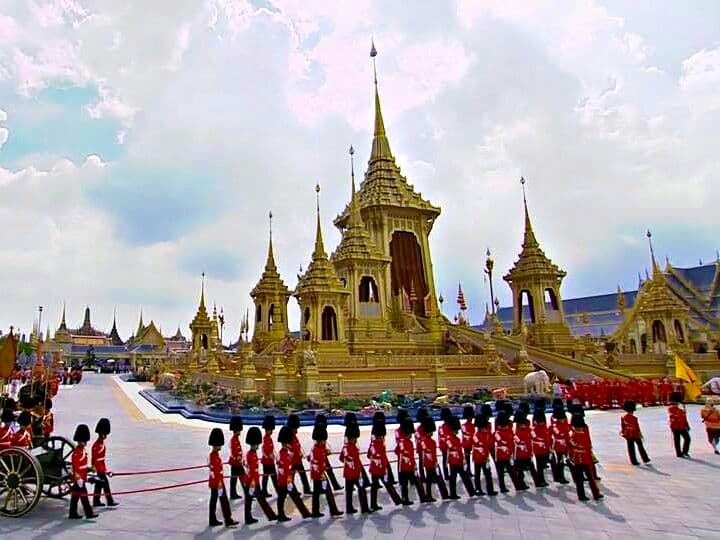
[[692, 382], [7, 356]]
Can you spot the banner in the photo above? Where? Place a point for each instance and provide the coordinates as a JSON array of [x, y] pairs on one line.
[[8, 350], [692, 382]]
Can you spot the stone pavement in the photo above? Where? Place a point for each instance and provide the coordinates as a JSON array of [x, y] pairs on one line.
[[672, 499]]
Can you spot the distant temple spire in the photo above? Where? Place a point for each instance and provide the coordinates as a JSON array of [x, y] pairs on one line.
[[270, 263], [319, 252], [655, 267], [529, 237], [380, 144], [63, 325]]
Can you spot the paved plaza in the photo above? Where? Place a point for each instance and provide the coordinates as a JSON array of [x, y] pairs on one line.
[[671, 499]]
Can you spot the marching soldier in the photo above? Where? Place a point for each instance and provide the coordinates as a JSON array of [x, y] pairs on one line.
[[428, 449], [482, 449], [7, 418], [318, 459], [215, 480], [236, 456], [443, 433], [293, 422], [541, 442], [504, 449], [420, 433], [379, 464], [523, 450], [351, 418], [630, 430], [456, 461], [402, 414], [581, 457], [285, 474], [268, 454], [468, 430], [79, 461], [350, 457], [679, 425], [98, 453], [406, 462], [379, 417], [321, 420], [251, 480]]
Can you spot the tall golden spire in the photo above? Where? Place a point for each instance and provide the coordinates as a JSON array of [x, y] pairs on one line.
[[529, 238], [270, 263], [380, 145], [202, 293], [319, 252], [141, 326], [656, 268], [63, 325], [355, 218]]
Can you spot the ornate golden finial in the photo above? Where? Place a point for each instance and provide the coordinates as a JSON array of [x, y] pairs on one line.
[[529, 238], [319, 252], [354, 220], [380, 145], [352, 169], [656, 268], [202, 294], [270, 263]]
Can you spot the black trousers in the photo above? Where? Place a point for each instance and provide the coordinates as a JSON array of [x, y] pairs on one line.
[[262, 501], [79, 494], [299, 468], [541, 463], [350, 486], [445, 470], [522, 465], [390, 475], [317, 490], [468, 460], [484, 468], [224, 505], [502, 467], [102, 484], [421, 467], [432, 477], [631, 444], [375, 487], [683, 434], [283, 494], [558, 462], [459, 470], [236, 473], [407, 478], [269, 473], [332, 478], [579, 472]]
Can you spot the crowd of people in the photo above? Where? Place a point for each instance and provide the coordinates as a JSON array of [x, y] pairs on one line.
[[613, 393]]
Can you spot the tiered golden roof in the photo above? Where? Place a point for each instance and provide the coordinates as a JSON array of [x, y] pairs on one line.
[[270, 282], [201, 319]]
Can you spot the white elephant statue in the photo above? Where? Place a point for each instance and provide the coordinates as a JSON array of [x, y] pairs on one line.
[[713, 385], [536, 382]]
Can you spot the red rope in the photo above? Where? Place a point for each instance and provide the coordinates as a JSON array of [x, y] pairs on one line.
[[160, 471], [145, 490]]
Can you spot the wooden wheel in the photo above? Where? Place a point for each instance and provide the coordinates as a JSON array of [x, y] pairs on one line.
[[21, 481], [57, 467]]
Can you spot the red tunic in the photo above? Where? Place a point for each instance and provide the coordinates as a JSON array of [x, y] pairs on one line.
[[523, 441], [419, 434], [455, 450], [443, 433], [406, 454], [541, 440], [215, 479], [297, 451], [79, 464], [285, 470], [580, 447], [560, 436], [5, 437], [678, 418], [318, 458], [22, 438], [428, 449], [48, 424], [236, 452], [482, 445], [98, 456], [268, 450], [378, 457], [350, 457], [630, 427], [468, 430], [252, 469], [504, 443]]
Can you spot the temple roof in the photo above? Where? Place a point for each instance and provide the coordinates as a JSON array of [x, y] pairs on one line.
[[532, 261], [114, 335], [178, 336], [270, 282], [86, 329], [201, 319]]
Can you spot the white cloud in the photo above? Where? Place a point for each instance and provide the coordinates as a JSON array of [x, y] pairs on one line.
[[700, 80]]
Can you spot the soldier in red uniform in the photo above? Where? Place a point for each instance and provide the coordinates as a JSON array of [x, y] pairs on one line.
[[379, 417], [99, 452], [79, 459], [6, 436], [665, 391], [268, 454], [293, 422], [350, 458], [443, 433], [321, 420], [402, 414], [379, 464], [541, 443], [351, 418], [504, 449], [422, 413], [236, 456], [285, 475], [523, 450], [23, 436], [215, 481], [468, 430], [630, 430], [482, 449], [251, 480], [679, 425], [560, 429], [456, 460], [318, 459], [405, 452], [428, 450], [581, 458]]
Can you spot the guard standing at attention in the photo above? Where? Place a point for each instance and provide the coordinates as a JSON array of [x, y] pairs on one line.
[[215, 481], [79, 459], [99, 452], [236, 456]]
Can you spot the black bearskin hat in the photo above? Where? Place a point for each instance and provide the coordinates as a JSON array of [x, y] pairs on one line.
[[402, 414], [578, 420], [407, 426], [319, 433], [502, 419], [539, 416], [540, 404], [254, 436], [379, 429], [577, 408], [350, 418], [379, 416], [500, 405], [676, 397], [524, 406], [293, 421], [454, 423], [428, 425], [7, 417], [486, 409], [82, 432], [103, 427], [481, 421], [520, 416], [352, 431], [558, 403], [508, 408], [48, 404], [268, 422], [422, 412], [320, 420], [285, 435], [468, 412], [445, 414], [24, 419], [216, 437], [629, 406], [236, 423]]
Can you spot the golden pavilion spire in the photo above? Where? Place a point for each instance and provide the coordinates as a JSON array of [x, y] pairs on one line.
[[529, 237], [355, 218], [380, 144], [270, 263], [63, 325], [141, 326], [655, 267], [202, 295], [319, 252]]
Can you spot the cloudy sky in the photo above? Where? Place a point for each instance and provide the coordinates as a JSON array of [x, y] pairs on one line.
[[142, 143]]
